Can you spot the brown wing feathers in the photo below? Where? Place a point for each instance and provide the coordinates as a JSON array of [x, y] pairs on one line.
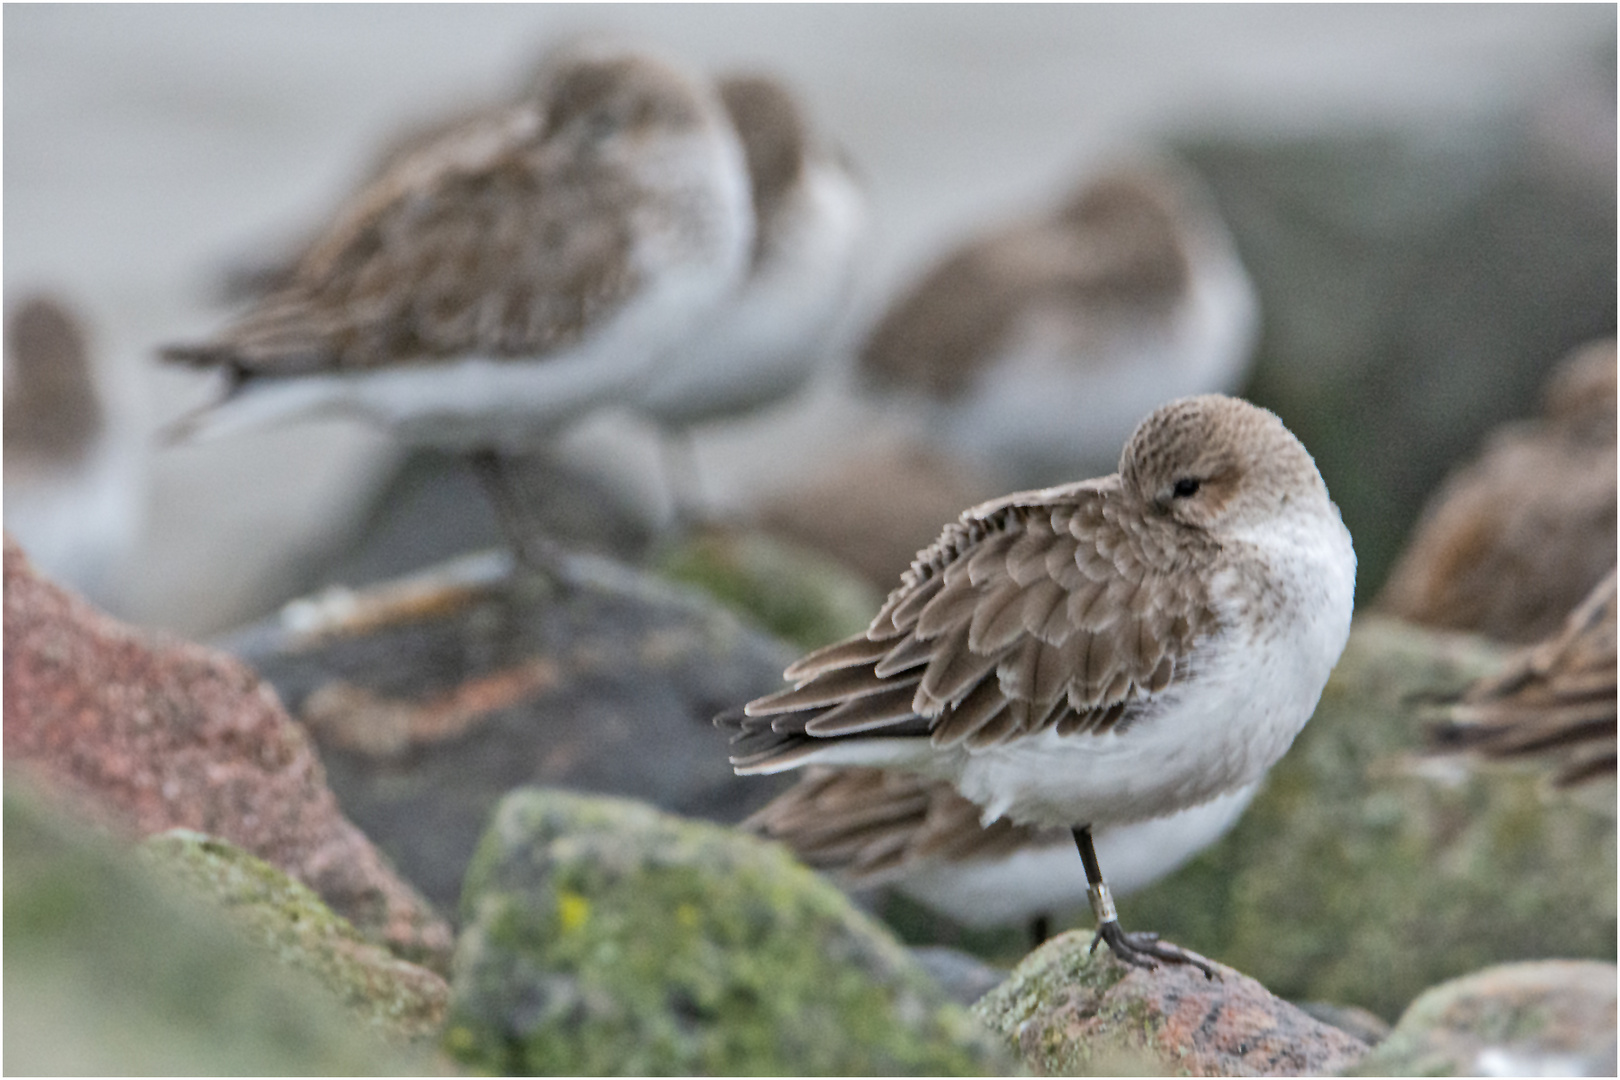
[[1034, 611], [867, 822], [1556, 697]]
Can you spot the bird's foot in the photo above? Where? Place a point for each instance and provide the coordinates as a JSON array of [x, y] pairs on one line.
[[1144, 950]]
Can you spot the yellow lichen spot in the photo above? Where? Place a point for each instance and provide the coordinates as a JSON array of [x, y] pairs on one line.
[[572, 910], [687, 916]]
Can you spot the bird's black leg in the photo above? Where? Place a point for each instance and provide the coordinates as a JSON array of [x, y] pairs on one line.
[[518, 522], [1138, 949], [1040, 928]]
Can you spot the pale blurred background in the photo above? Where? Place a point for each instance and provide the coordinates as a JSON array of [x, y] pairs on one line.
[[147, 148]]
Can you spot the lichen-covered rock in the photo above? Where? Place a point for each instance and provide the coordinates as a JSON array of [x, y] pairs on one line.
[[431, 696], [110, 970], [800, 596], [1069, 1011], [603, 937], [1367, 870], [398, 999], [1546, 1018], [150, 733]]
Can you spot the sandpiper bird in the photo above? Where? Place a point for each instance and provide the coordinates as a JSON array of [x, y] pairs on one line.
[[74, 459], [1033, 349], [1098, 653], [502, 278], [810, 215], [1555, 699], [809, 222], [873, 827], [1513, 540]]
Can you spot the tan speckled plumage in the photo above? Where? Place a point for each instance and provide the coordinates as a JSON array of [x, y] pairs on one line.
[[499, 237], [869, 824], [774, 141], [53, 411], [1515, 538], [1115, 246], [1556, 699]]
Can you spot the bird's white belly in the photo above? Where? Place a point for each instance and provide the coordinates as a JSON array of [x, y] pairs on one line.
[[478, 401], [763, 343], [1220, 731], [1047, 878]]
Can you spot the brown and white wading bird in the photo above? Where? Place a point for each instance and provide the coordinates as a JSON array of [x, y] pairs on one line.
[[1098, 653], [506, 275], [1554, 700], [1033, 349], [75, 454], [765, 339], [1514, 538]]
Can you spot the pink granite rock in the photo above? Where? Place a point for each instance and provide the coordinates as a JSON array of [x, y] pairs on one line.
[[1068, 1011], [149, 733]]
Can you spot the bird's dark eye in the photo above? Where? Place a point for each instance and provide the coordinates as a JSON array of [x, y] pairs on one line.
[[1185, 488]]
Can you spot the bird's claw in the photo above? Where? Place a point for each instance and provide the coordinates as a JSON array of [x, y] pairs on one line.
[[1143, 950]]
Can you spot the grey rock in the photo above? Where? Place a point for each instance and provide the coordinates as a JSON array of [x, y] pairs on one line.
[[1350, 1019], [963, 976], [431, 696], [1547, 1018]]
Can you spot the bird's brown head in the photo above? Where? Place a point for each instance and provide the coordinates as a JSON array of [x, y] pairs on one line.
[[595, 95], [1218, 462], [772, 131]]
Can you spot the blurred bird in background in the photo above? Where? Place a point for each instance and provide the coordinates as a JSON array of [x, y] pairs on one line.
[[74, 457], [769, 336], [1513, 540], [1034, 349], [508, 275], [774, 330], [1554, 700]]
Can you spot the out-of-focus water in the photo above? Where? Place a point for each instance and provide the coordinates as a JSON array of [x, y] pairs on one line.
[[146, 146]]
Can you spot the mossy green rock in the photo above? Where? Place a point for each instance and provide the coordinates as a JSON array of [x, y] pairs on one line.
[[1367, 870], [395, 998], [1548, 1018], [800, 596], [112, 970], [603, 937]]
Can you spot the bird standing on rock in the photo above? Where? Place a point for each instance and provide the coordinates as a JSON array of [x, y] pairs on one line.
[[1098, 653], [505, 276]]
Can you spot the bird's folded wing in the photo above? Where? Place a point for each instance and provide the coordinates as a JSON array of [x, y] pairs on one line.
[[1059, 609], [869, 825], [478, 242], [1558, 696]]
